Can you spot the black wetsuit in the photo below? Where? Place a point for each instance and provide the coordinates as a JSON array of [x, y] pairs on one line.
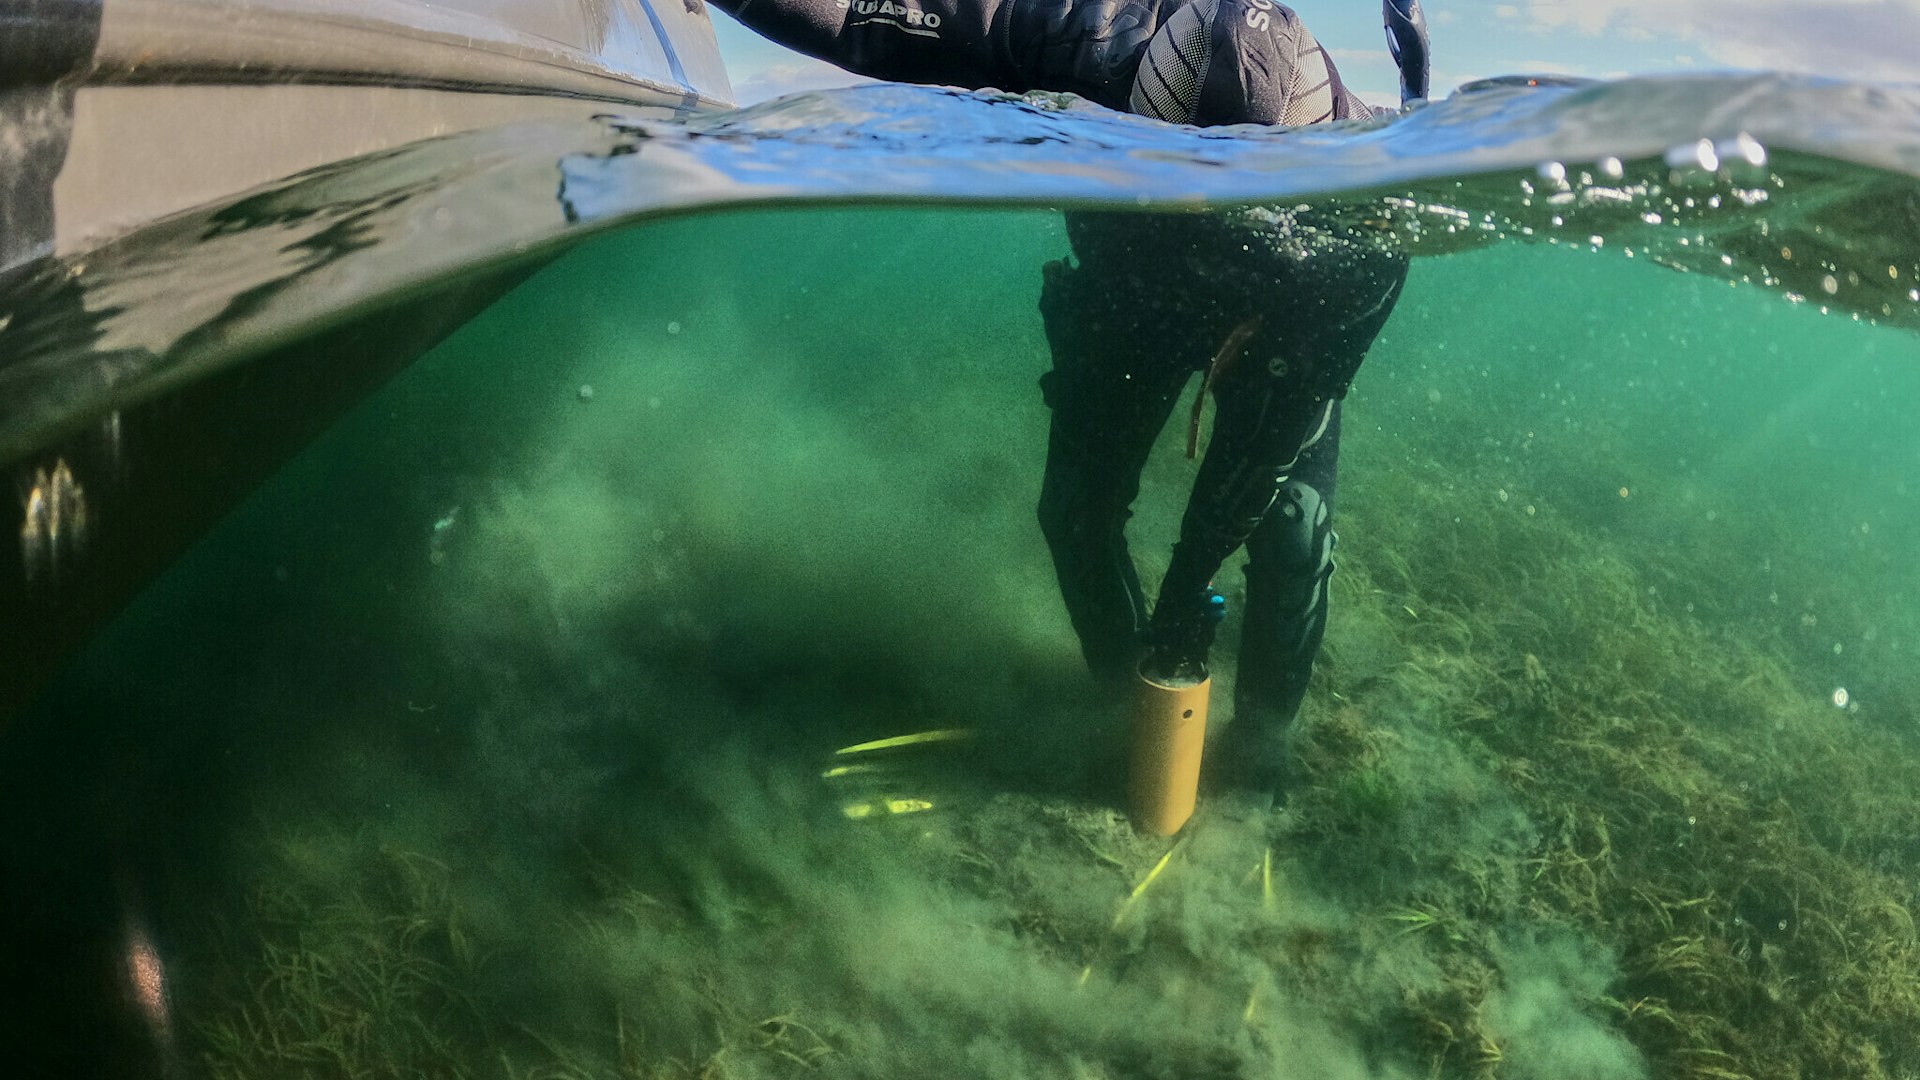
[[1152, 299], [1250, 67]]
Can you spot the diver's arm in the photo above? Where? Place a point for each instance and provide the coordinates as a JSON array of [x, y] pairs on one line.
[[1087, 47], [926, 41]]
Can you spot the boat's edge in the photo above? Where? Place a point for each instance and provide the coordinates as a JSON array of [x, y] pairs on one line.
[[120, 112]]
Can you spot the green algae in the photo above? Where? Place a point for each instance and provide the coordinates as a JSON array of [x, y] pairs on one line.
[[1573, 799]]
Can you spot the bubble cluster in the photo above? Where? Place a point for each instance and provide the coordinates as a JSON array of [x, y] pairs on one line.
[[1720, 206]]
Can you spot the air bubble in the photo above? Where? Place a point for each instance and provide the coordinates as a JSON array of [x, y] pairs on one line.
[[1693, 155], [1689, 161], [1743, 150]]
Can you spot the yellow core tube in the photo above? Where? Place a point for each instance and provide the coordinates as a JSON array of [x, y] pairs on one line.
[[1169, 729]]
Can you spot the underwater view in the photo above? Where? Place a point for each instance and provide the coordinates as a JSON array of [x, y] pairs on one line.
[[665, 675]]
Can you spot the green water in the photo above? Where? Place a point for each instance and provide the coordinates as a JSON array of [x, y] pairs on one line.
[[498, 724]]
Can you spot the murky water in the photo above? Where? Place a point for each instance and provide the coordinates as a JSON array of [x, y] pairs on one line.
[[503, 731]]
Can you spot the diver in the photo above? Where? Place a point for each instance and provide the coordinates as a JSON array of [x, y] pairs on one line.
[[1274, 307]]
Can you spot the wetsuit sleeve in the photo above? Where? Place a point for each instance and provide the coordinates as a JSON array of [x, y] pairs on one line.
[[1087, 47], [1199, 62], [952, 42]]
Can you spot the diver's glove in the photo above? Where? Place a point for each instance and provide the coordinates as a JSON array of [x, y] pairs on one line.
[[1181, 636]]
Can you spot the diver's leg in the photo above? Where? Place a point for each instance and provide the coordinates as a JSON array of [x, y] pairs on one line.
[[1290, 552], [1289, 567], [1109, 400], [1272, 401], [1261, 423]]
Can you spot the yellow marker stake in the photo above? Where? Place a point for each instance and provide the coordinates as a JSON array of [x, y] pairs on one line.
[[937, 735], [1133, 897], [890, 804], [1266, 879], [1153, 874], [1141, 889]]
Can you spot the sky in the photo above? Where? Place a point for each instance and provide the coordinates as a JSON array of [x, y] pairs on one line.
[[1860, 39]]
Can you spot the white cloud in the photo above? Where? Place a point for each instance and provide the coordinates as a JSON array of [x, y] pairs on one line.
[[1543, 67], [1376, 97], [1870, 39], [1360, 56], [1507, 11]]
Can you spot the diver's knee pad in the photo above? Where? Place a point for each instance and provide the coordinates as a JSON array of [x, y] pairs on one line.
[[1297, 540], [1288, 572], [1237, 62], [1284, 620]]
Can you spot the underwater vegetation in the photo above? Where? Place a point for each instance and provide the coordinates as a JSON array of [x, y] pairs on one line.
[[1695, 859], [1575, 795], [1741, 855]]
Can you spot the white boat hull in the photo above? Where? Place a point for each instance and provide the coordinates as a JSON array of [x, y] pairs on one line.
[[114, 113]]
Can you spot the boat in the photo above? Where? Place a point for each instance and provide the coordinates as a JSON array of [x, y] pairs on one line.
[[126, 118], [130, 110]]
